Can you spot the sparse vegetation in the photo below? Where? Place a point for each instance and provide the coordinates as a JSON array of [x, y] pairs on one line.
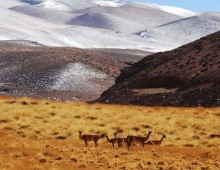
[[44, 135]]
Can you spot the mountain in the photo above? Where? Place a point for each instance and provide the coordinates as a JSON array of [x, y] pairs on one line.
[[185, 30], [186, 76], [97, 23]]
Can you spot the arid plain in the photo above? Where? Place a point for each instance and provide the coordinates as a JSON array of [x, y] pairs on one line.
[[43, 134]]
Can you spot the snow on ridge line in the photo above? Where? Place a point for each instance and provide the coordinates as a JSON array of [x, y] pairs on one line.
[[178, 11], [108, 3], [69, 5], [181, 12], [54, 5]]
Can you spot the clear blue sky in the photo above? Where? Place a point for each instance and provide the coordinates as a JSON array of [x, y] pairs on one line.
[[194, 5]]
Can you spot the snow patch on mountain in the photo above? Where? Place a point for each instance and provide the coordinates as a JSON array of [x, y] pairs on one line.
[[79, 77]]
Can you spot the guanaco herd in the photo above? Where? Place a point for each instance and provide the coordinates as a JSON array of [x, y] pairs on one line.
[[130, 140]]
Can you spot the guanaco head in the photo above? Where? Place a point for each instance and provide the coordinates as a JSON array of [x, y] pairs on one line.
[[103, 135], [80, 132], [212, 136], [164, 136]]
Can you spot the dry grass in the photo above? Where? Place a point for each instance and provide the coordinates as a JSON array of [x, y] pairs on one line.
[[39, 134]]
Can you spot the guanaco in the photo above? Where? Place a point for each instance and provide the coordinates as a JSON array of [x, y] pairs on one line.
[[120, 140], [156, 142], [214, 136], [113, 140], [89, 137], [137, 139]]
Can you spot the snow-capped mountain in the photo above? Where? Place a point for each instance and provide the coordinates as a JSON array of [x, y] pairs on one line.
[[101, 24]]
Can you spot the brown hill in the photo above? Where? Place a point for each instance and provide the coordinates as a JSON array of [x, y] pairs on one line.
[[186, 76], [56, 73]]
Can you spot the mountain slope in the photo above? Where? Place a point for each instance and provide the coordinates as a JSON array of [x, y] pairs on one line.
[[144, 16], [186, 76], [65, 5], [55, 73], [115, 19], [183, 31], [168, 9], [10, 3], [211, 15], [106, 21], [51, 34], [61, 17]]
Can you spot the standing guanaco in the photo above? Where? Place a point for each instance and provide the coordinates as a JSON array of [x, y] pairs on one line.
[[156, 142], [131, 139], [113, 140], [89, 137]]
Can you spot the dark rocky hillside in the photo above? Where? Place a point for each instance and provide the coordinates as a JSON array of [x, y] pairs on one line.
[[186, 76]]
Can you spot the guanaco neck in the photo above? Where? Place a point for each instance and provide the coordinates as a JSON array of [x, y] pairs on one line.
[[108, 139], [148, 135], [161, 140]]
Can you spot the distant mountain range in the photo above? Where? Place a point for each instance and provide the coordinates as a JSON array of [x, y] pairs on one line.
[[121, 24]]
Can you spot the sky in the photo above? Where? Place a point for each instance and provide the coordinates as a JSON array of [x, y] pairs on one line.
[[194, 5]]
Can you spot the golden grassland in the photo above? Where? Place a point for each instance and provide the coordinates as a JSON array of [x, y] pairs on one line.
[[42, 134]]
